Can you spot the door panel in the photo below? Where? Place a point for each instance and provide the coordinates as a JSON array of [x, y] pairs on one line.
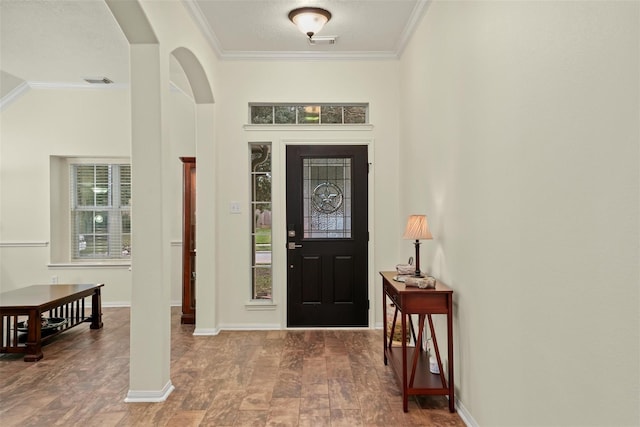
[[327, 202]]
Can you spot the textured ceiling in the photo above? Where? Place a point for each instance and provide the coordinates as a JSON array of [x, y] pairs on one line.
[[259, 28], [65, 41]]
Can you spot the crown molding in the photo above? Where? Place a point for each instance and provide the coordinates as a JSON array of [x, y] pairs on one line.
[[416, 15], [318, 56], [24, 87], [76, 85], [197, 15], [14, 94]]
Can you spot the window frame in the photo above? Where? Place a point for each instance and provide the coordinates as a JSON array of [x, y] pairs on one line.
[[297, 107], [61, 212], [114, 230], [255, 202]]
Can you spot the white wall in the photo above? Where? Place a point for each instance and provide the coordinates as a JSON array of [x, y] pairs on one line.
[[42, 123], [374, 82], [521, 137], [73, 122], [97, 123]]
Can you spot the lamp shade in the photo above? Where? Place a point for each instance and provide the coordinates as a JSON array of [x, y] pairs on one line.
[[417, 228], [309, 20]]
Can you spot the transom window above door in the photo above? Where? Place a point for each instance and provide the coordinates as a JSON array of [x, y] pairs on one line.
[[308, 114]]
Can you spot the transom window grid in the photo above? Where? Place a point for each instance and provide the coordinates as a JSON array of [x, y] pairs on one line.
[[100, 211], [261, 235], [327, 198], [308, 114]]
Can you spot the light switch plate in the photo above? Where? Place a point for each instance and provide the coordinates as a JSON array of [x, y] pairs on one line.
[[234, 207]]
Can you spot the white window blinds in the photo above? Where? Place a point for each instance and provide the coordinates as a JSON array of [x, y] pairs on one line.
[[100, 211]]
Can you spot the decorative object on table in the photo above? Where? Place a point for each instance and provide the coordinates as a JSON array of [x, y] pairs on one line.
[[433, 365], [406, 269], [47, 323], [417, 282], [417, 229], [431, 282]]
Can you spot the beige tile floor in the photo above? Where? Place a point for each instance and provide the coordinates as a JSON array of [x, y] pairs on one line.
[[247, 378]]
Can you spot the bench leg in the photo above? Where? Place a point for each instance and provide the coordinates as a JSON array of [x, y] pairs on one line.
[[33, 349]]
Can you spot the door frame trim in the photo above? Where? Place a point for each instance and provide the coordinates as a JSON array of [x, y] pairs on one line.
[[279, 254]]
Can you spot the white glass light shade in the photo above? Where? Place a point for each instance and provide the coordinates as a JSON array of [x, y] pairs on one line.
[[417, 228], [309, 20]]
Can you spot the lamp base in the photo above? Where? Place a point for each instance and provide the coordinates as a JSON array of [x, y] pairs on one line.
[[418, 273]]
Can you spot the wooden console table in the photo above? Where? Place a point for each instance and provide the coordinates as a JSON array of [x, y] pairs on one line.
[[411, 363], [65, 303]]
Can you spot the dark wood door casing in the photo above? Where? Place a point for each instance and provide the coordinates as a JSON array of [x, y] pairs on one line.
[[188, 240]]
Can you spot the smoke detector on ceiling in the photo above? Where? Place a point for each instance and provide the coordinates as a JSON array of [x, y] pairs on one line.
[[98, 80], [322, 40]]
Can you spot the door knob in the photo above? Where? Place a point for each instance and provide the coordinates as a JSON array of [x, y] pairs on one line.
[[293, 245]]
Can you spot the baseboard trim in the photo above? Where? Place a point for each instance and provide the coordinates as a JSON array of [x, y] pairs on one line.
[[118, 304], [251, 327], [152, 396], [204, 332], [465, 415]]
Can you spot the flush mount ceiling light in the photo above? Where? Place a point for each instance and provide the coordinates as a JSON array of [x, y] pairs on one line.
[[309, 20]]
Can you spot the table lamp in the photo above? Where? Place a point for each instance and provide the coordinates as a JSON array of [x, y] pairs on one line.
[[417, 229]]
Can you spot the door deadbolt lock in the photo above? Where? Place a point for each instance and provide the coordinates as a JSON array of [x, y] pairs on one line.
[[293, 245]]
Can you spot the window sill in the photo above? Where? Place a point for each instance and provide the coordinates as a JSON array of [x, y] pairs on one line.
[[23, 244], [260, 305], [74, 265], [353, 127]]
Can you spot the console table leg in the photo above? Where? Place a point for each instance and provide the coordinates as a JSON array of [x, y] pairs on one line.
[[385, 327], [452, 401], [436, 350], [96, 310], [405, 392]]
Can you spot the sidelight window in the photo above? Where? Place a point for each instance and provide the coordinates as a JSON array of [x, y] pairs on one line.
[[260, 157]]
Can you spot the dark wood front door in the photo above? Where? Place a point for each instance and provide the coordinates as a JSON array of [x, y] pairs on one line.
[[327, 235]]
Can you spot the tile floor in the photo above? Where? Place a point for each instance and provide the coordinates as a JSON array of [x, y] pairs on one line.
[[240, 378]]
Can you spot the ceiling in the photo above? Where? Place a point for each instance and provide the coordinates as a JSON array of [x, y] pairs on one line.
[[259, 28], [65, 41]]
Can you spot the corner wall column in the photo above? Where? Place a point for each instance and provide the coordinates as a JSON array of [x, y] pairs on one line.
[[150, 299], [206, 304]]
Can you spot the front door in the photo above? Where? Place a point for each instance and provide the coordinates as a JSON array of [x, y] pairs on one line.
[[327, 235]]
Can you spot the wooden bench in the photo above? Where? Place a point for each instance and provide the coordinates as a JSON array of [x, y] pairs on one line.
[[30, 316]]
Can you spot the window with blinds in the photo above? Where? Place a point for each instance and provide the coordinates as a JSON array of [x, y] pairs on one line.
[[100, 211]]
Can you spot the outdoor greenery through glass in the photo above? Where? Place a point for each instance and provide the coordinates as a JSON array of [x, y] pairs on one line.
[[100, 211], [260, 156], [304, 114]]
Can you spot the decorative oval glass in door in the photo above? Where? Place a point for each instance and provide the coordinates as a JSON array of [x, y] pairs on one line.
[[327, 198]]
